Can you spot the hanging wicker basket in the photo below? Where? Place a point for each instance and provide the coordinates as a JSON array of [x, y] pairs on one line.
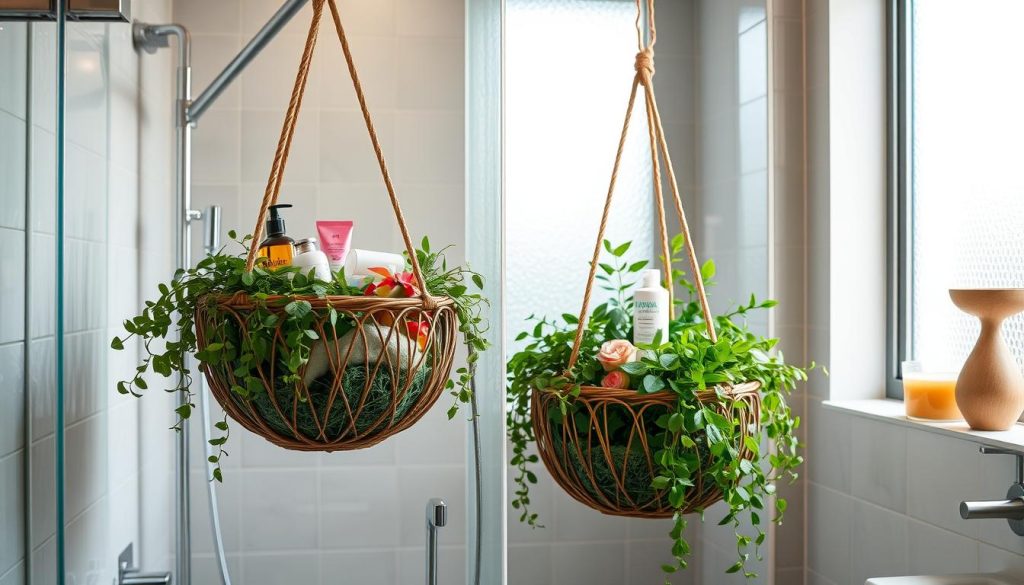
[[377, 365], [613, 471], [358, 388]]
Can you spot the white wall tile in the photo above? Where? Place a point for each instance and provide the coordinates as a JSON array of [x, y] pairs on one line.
[[12, 289], [275, 569], [12, 169], [377, 61], [202, 17], [933, 550], [359, 566], [14, 576], [284, 507], [260, 133], [12, 398], [44, 563], [12, 534], [878, 546], [829, 447], [346, 153], [43, 180], [439, 18], [13, 73], [879, 463], [434, 440], [85, 464], [42, 387], [368, 17], [219, 133], [828, 541], [428, 147], [257, 452], [44, 494], [367, 497], [576, 522], [529, 564], [591, 563], [430, 73]]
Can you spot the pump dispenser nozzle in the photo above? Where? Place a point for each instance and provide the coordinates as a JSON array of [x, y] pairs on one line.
[[275, 223]]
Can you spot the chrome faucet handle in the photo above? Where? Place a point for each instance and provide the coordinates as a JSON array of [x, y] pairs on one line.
[[989, 450]]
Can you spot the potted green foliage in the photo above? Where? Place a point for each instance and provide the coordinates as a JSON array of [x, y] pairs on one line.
[[382, 348], [659, 430]]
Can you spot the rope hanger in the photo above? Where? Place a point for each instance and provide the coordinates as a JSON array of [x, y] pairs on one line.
[[273, 189], [644, 77]]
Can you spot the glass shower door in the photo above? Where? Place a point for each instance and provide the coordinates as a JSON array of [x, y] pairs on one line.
[[28, 489], [113, 246]]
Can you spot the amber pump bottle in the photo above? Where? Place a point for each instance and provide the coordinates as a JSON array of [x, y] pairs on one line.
[[277, 248]]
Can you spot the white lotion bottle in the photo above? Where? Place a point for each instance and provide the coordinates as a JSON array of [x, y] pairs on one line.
[[307, 256], [650, 309]]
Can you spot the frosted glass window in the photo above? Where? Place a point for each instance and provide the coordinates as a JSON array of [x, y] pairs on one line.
[[968, 192], [569, 65]]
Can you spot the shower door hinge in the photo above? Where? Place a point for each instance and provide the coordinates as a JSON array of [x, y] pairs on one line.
[[103, 10]]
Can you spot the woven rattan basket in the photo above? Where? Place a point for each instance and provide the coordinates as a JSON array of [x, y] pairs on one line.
[[616, 476], [374, 382], [372, 376]]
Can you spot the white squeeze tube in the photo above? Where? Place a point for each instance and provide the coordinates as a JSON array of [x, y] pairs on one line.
[[650, 309], [359, 262]]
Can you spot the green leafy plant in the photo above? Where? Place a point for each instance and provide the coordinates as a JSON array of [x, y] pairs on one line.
[[167, 328], [689, 433]]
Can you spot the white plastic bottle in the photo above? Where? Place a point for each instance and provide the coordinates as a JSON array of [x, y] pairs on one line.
[[650, 309], [308, 256]]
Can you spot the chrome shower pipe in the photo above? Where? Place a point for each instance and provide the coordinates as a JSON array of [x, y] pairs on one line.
[[266, 34], [150, 37]]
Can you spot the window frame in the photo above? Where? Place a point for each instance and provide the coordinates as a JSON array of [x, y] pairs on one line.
[[899, 229]]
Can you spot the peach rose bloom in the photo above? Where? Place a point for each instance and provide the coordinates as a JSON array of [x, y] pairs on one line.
[[615, 353], [616, 379]]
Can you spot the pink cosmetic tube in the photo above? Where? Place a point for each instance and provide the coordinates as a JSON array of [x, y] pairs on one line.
[[335, 239]]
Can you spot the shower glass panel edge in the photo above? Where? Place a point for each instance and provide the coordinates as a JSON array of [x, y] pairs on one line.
[[485, 249]]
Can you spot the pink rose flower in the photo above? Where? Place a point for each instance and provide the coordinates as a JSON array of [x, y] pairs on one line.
[[615, 353], [616, 379]]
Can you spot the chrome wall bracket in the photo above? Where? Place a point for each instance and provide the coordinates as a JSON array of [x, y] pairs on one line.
[[46, 10], [1012, 508]]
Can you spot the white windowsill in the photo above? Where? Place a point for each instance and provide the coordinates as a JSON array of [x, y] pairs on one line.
[[891, 411]]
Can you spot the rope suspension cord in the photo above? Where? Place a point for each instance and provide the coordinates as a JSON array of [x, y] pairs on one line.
[[273, 190], [644, 66]]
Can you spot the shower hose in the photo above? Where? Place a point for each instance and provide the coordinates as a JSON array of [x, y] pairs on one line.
[[211, 486]]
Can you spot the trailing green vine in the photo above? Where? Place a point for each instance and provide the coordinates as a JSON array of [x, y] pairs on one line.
[[167, 328], [683, 363]]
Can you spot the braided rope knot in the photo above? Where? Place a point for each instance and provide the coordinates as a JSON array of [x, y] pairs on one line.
[[645, 62], [429, 303]]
